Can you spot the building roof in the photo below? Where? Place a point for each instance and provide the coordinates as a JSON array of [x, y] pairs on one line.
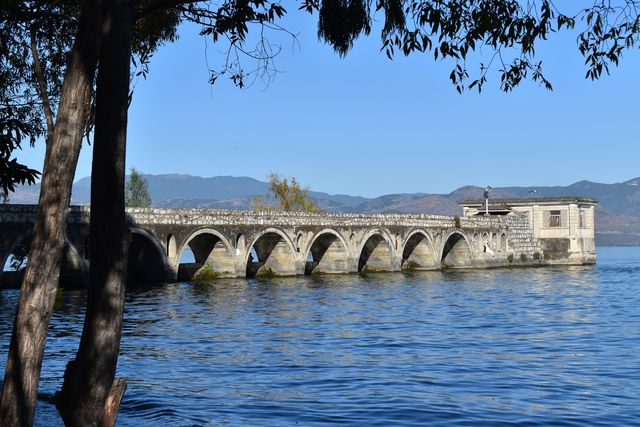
[[505, 203]]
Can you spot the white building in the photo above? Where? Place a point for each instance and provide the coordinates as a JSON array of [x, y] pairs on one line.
[[564, 226]]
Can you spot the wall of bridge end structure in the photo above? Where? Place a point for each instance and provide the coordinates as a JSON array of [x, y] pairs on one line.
[[477, 247], [502, 242]]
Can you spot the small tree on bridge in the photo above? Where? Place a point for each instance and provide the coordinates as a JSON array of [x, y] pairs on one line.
[[288, 196], [137, 191]]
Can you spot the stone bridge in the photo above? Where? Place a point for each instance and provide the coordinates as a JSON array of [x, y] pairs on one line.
[[228, 243]]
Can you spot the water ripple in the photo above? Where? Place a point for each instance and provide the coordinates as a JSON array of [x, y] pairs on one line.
[[532, 347]]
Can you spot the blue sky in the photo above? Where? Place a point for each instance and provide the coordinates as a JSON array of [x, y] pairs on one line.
[[365, 125]]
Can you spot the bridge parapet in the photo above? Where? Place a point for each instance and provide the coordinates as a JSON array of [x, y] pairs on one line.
[[26, 214], [197, 216], [15, 213]]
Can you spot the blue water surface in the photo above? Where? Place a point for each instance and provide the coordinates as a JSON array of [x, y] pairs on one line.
[[535, 346]]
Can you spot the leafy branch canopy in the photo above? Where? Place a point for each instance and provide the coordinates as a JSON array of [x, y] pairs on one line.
[[510, 29]]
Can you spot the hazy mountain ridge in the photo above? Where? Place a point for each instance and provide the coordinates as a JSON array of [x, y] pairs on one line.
[[617, 218]]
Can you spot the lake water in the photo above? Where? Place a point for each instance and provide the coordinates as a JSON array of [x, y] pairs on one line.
[[537, 346]]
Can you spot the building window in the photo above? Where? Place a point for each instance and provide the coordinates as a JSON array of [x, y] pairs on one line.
[[581, 219], [554, 218]]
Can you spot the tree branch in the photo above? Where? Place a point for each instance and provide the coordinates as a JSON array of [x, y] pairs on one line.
[[42, 86], [162, 4]]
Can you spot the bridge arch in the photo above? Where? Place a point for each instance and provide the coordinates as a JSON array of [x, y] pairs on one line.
[[376, 252], [329, 253], [419, 252], [276, 254], [74, 271], [147, 260], [457, 251], [22, 239], [212, 252]]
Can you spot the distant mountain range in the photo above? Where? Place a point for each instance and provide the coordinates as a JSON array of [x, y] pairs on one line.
[[617, 215]]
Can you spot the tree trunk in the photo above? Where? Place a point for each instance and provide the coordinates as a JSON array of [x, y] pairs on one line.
[[90, 377], [37, 296]]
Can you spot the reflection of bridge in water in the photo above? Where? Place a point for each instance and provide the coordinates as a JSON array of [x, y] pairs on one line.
[[244, 243]]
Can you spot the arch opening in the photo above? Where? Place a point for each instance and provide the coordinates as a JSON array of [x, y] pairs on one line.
[[418, 253], [271, 255], [146, 263], [16, 259], [73, 268], [206, 256], [376, 255], [327, 254], [456, 252]]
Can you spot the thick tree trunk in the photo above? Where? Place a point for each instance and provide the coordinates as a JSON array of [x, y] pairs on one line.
[[37, 296], [90, 377]]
